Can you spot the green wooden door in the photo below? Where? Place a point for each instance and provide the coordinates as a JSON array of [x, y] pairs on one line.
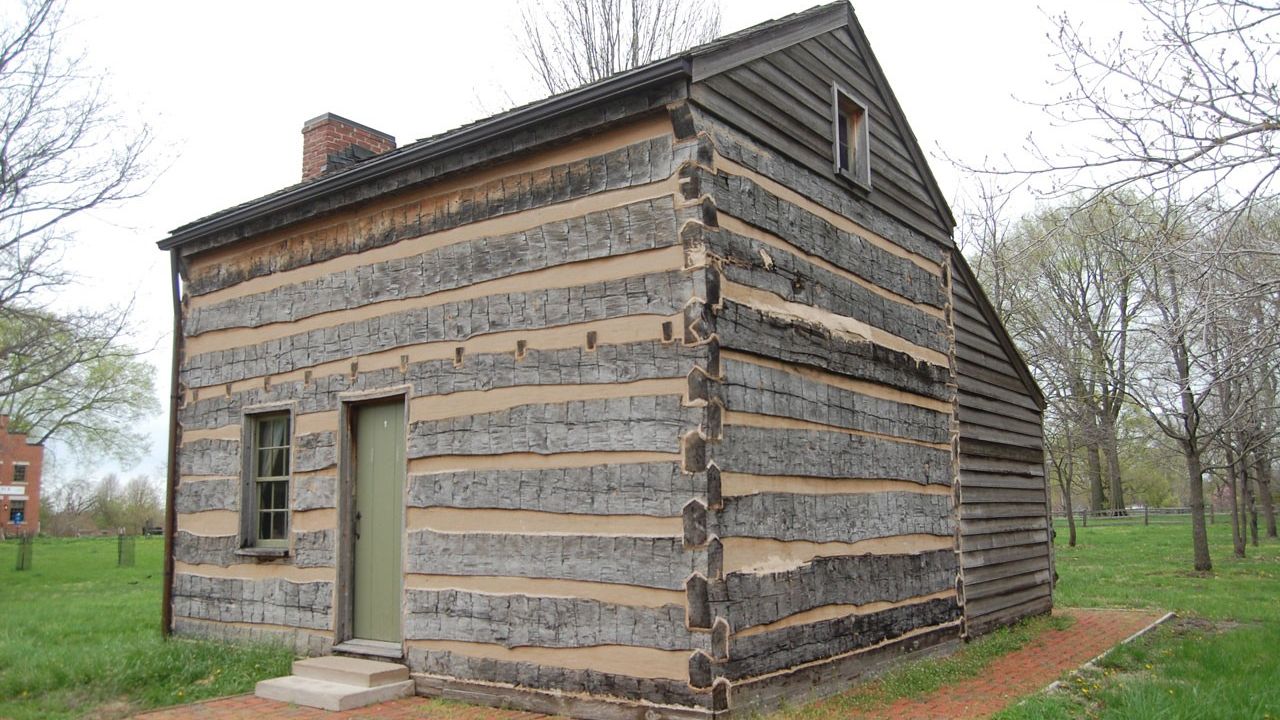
[[379, 521]]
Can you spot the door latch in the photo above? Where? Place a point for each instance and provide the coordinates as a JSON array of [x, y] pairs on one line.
[[357, 528]]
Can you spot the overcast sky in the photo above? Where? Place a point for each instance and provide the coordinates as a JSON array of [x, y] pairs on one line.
[[226, 86]]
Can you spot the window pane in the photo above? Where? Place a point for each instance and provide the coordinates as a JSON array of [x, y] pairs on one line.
[[264, 526], [273, 462], [279, 520], [19, 473], [273, 432], [280, 495]]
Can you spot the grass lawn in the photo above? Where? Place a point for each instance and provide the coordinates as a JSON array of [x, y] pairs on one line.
[[80, 637], [1221, 659]]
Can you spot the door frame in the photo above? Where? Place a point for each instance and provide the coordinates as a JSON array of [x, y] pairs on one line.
[[348, 404]]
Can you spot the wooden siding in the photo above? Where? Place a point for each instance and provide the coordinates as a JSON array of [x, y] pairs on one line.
[[1005, 535], [784, 100]]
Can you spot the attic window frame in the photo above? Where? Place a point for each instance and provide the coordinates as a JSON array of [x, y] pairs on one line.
[[851, 114]]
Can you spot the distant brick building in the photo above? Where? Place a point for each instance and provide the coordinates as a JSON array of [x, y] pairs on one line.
[[21, 465]]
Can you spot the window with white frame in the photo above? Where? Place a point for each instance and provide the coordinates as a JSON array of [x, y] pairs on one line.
[[267, 487]]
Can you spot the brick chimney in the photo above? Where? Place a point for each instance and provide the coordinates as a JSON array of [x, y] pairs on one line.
[[331, 142]]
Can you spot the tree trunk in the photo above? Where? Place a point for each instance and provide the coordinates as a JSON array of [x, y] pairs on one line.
[[1071, 518], [1233, 485], [1097, 497], [1199, 535], [1262, 474], [1111, 449], [1251, 507]]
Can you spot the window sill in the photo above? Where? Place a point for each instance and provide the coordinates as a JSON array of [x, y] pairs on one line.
[[263, 553]]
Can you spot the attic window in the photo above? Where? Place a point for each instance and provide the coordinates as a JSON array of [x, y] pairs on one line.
[[851, 141]]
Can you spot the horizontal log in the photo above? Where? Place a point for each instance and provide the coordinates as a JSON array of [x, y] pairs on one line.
[[761, 265], [821, 453], [656, 489], [998, 451], [608, 363], [269, 601], [983, 606], [751, 599], [657, 562], [521, 620], [982, 511], [743, 328], [210, 457], [214, 494], [205, 549], [981, 464], [635, 164], [314, 492], [988, 480], [834, 518], [1003, 554], [662, 293], [753, 388], [1003, 525], [639, 226], [649, 423], [314, 548], [788, 647], [559, 679], [315, 451]]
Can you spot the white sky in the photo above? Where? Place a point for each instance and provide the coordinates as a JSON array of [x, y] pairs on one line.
[[226, 86]]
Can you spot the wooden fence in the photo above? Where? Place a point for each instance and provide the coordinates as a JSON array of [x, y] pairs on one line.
[[1134, 516]]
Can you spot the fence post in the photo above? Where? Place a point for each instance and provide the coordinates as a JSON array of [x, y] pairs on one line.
[[1084, 518], [1146, 515], [1213, 515], [24, 551]]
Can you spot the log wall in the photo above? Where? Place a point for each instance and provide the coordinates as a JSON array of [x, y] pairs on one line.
[[834, 456], [535, 313]]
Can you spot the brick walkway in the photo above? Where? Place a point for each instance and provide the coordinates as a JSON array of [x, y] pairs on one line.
[[1009, 678], [1025, 671]]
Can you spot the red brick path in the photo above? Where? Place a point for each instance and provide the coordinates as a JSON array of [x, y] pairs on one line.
[[1009, 678], [1025, 671]]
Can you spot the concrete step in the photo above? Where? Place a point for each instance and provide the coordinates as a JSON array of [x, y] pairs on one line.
[[325, 695], [351, 671]]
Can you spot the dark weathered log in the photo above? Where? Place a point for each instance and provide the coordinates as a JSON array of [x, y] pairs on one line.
[[643, 225], [271, 601], [658, 562], [747, 201], [658, 489], [749, 330], [301, 641], [760, 265], [214, 494], [521, 620], [763, 390], [636, 164], [647, 423], [820, 453], [608, 363], [788, 647], [748, 599], [656, 293], [565, 680]]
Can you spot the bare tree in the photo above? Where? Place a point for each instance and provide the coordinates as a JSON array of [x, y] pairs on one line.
[[569, 43], [1188, 102], [64, 151]]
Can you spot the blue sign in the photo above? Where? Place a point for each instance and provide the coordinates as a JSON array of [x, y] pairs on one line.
[[16, 517]]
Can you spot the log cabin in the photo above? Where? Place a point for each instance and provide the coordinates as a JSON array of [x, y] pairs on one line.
[[669, 396]]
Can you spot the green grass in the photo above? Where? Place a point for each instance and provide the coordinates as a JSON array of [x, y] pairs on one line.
[[1220, 659], [81, 637]]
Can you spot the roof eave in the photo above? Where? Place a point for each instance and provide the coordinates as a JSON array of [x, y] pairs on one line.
[[485, 130]]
